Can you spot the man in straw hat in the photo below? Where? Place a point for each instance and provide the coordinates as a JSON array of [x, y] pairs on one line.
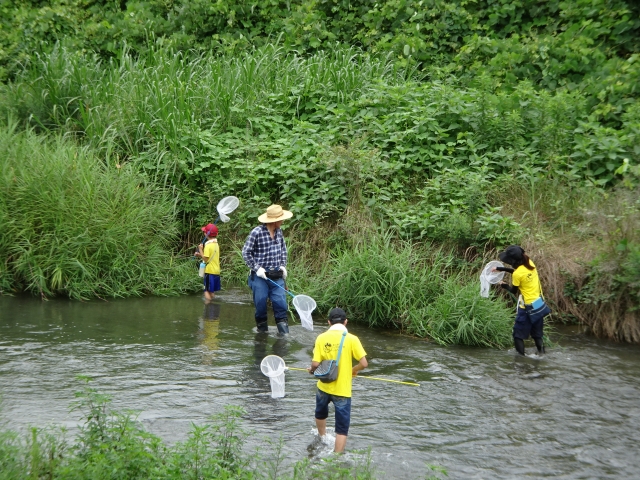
[[265, 253]]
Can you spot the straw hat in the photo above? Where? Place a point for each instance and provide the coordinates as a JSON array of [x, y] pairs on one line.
[[274, 213]]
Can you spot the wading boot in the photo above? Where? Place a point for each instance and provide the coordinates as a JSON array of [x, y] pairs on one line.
[[261, 325], [283, 326]]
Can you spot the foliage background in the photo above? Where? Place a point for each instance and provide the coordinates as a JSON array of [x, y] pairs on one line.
[[462, 125]]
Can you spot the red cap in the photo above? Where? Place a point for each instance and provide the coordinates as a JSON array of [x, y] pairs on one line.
[[210, 230]]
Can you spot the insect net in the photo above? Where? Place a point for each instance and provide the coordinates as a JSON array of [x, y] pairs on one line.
[[226, 206], [304, 306], [488, 278], [273, 367]]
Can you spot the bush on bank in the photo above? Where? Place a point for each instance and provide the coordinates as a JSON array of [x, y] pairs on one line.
[[313, 131], [73, 226], [554, 43]]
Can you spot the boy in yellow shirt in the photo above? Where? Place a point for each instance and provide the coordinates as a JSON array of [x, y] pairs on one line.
[[339, 391], [209, 251]]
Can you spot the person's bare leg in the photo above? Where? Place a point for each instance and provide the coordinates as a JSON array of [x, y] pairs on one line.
[[208, 296], [322, 427], [341, 442]]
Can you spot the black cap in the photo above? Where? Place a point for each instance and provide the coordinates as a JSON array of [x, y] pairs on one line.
[[337, 315], [513, 255]]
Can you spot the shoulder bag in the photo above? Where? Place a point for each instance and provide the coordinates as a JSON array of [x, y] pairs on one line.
[[538, 309], [327, 371]]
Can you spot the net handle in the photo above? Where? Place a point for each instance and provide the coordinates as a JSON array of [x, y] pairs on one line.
[[280, 286]]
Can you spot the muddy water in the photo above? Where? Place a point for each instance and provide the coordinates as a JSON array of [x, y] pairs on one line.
[[479, 413]]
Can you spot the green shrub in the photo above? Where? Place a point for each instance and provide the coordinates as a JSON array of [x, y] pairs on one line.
[[10, 451], [379, 282], [454, 208], [460, 316], [273, 126], [113, 445]]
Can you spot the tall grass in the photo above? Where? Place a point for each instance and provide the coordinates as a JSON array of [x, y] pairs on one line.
[[419, 290], [379, 281], [72, 226], [460, 316], [163, 95]]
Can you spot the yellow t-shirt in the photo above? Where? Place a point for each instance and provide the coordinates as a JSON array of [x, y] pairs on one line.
[[212, 252], [528, 282], [326, 348]]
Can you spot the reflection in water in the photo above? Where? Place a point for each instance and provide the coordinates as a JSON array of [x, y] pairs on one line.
[[256, 382], [209, 330], [528, 367], [281, 346], [260, 343], [259, 347]]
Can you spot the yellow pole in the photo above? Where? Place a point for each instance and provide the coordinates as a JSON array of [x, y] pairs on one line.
[[370, 378]]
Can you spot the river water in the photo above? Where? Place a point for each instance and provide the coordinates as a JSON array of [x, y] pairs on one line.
[[478, 413]]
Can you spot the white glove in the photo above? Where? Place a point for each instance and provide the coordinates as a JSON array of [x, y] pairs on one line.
[[261, 273], [284, 272]]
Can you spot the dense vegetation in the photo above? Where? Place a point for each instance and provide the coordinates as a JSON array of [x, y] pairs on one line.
[[415, 135]]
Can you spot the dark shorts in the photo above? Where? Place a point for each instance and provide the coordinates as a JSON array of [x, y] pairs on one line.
[[212, 282], [343, 410], [523, 326]]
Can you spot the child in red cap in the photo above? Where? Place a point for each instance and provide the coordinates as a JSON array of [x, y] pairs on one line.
[[209, 251]]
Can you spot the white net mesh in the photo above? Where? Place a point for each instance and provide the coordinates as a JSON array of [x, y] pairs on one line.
[[488, 278], [226, 206], [304, 306], [277, 386], [273, 367]]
